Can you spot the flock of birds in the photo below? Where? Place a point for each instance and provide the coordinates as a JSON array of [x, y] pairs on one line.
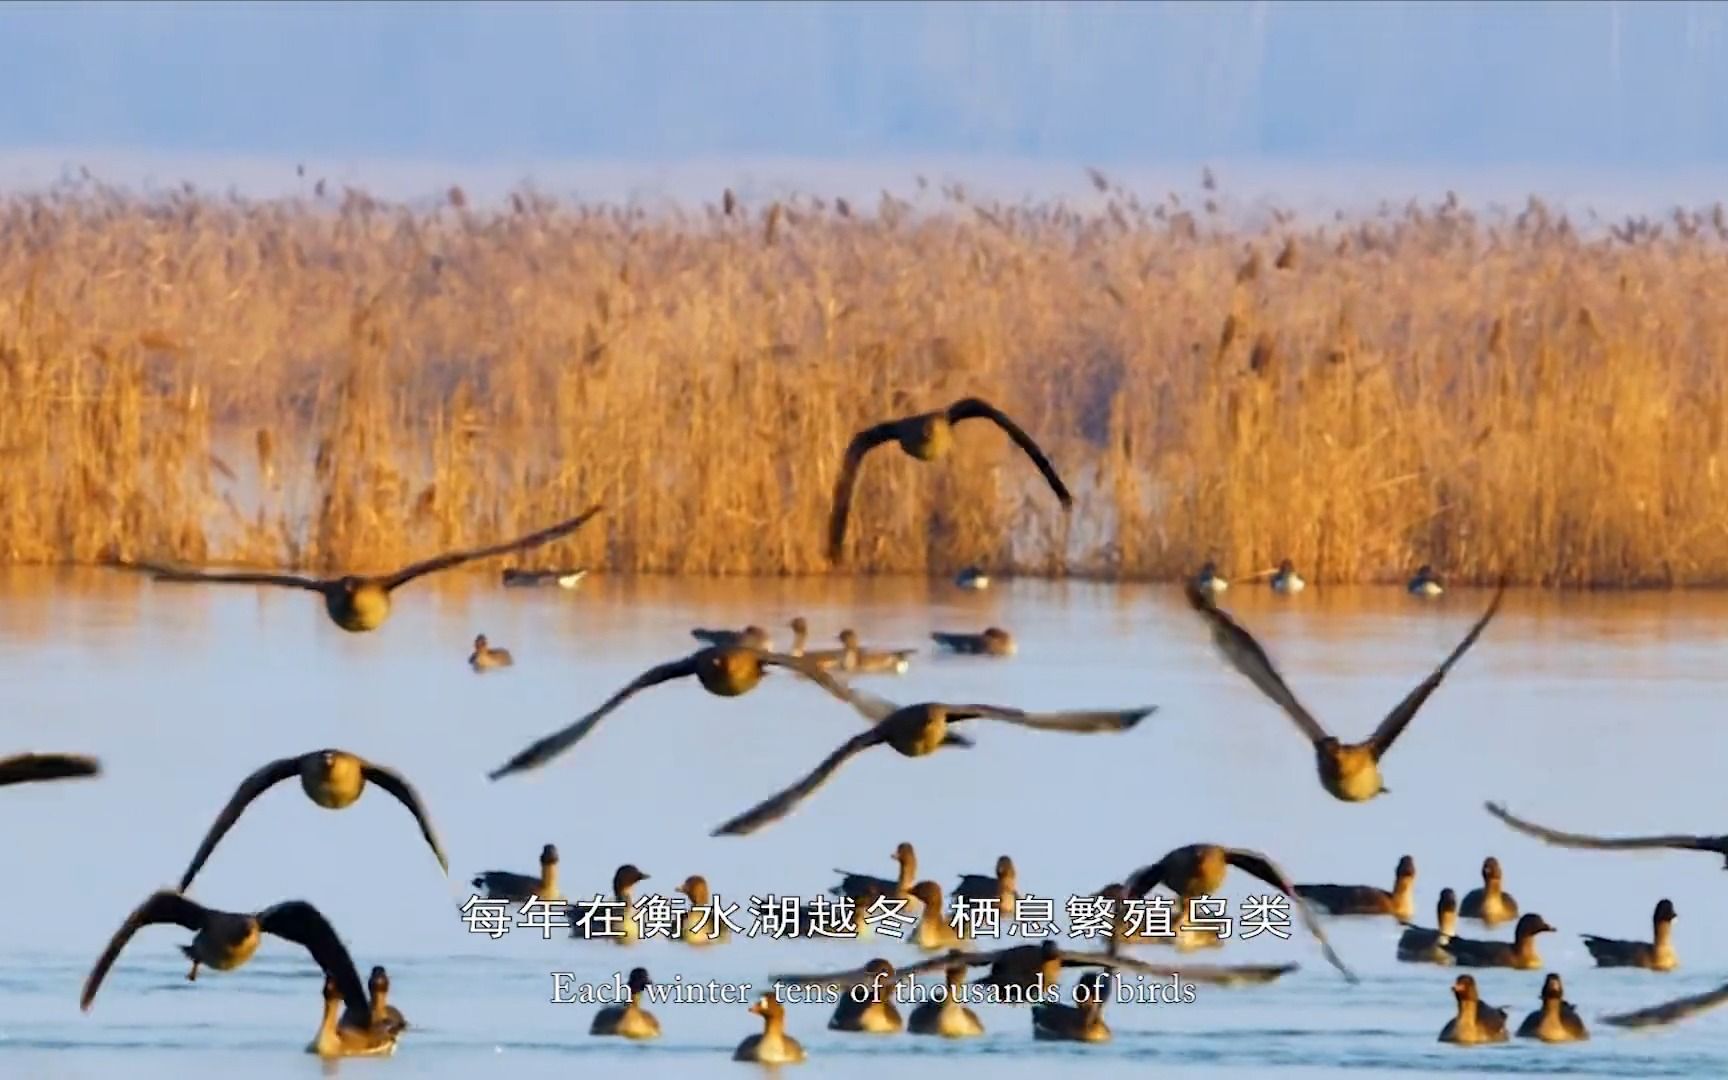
[[358, 1018]]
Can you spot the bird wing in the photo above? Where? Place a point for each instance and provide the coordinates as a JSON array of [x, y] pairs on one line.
[[872, 708], [1717, 844], [163, 906], [164, 572], [543, 750], [456, 558], [249, 789], [1147, 878], [1249, 659], [303, 924], [861, 444], [1079, 722], [978, 408], [34, 768], [1670, 1011], [1396, 720], [778, 806], [404, 793], [1266, 870]]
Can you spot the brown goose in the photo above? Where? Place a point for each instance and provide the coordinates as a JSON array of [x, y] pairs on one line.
[[1475, 1023], [1348, 771], [225, 940], [333, 779], [723, 670], [1519, 953], [916, 731], [1656, 954], [1556, 1021], [927, 437], [1198, 870], [1491, 904], [359, 603], [1400, 902]]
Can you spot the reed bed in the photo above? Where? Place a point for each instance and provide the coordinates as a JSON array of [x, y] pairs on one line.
[[338, 382]]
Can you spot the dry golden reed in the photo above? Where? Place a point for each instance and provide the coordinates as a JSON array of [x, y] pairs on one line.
[[348, 382]]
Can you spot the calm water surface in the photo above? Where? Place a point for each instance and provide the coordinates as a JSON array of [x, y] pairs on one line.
[[1594, 712]]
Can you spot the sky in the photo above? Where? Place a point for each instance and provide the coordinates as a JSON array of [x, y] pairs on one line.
[[1478, 83]]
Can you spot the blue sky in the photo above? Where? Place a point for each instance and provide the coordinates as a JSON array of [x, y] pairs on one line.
[[1469, 83]]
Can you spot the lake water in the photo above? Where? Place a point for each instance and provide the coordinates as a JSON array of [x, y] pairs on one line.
[[1592, 712]]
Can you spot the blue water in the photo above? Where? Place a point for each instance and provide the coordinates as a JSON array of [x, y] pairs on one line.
[[1589, 712]]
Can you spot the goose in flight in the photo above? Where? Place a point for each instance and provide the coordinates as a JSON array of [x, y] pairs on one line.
[[334, 779], [358, 603], [915, 731], [225, 940], [1348, 771], [927, 437], [723, 670], [1197, 870]]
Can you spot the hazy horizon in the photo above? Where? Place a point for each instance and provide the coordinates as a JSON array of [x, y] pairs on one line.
[[606, 92]]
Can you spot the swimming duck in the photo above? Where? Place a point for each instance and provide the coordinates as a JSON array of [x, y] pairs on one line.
[[337, 1038], [629, 1020], [1556, 1021], [1518, 953], [898, 888], [872, 1012], [1348, 771], [1208, 580], [359, 603], [1476, 1022], [384, 1016], [1287, 581], [861, 661], [485, 657], [751, 637], [972, 578], [723, 670], [945, 1013], [1717, 845], [517, 888], [1000, 886], [915, 731], [1656, 954], [994, 641], [333, 779], [934, 930], [589, 920], [1491, 904], [1082, 1021], [1670, 1012], [1198, 870], [773, 1046], [37, 768], [564, 579], [1425, 583], [927, 437], [1367, 899], [709, 929], [225, 940], [1420, 945]]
